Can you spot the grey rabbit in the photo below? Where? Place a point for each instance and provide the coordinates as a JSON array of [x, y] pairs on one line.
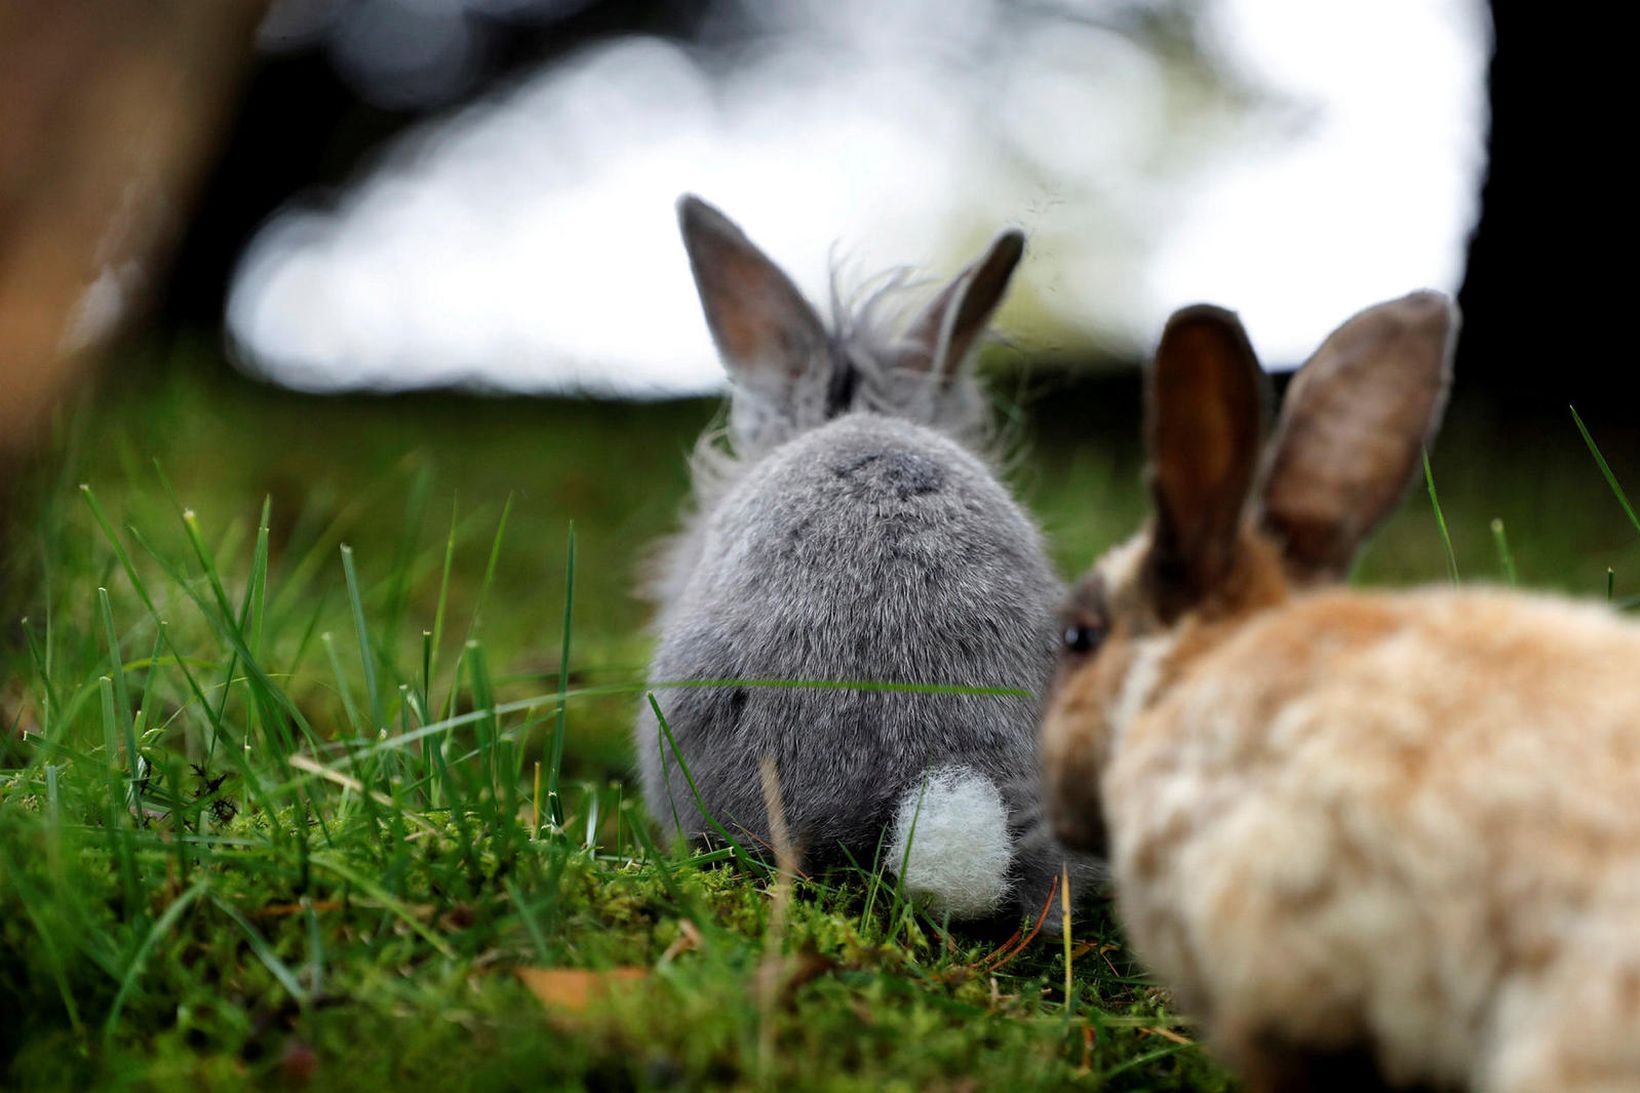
[[856, 532]]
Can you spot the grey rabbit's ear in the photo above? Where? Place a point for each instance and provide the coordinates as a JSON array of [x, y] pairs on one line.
[[1205, 406], [768, 335], [941, 338], [1356, 420]]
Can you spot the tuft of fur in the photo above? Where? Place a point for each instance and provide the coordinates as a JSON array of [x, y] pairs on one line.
[[950, 844], [1386, 836], [867, 337], [849, 526]]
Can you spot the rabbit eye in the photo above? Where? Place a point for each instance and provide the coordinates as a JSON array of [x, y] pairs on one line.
[[1081, 638]]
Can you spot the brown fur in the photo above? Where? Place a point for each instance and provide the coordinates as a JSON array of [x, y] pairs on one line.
[[1378, 838]]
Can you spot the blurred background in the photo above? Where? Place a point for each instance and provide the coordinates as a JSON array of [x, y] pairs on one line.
[[478, 193], [1155, 153], [408, 268], [381, 195]]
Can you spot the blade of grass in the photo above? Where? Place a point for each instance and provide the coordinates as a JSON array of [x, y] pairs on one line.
[[404, 914], [549, 701], [207, 564], [685, 906], [1606, 470], [666, 779], [398, 596], [228, 622], [119, 849], [1506, 559], [249, 609], [437, 636], [556, 763], [306, 763], [874, 878], [1440, 522], [526, 915], [263, 690], [590, 841], [343, 690], [426, 670], [122, 707], [316, 949], [490, 569], [140, 588], [41, 918], [257, 599], [377, 720], [159, 929], [895, 917], [1140, 1061], [1065, 915], [493, 754], [483, 598], [42, 673], [120, 552], [150, 683], [746, 861], [264, 952]]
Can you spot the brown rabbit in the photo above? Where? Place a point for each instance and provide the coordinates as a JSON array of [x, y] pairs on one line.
[[1372, 839]]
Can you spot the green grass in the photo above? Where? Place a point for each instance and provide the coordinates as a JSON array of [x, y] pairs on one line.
[[315, 735]]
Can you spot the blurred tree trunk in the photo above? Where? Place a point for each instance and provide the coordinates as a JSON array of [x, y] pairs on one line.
[[1548, 269], [109, 111]]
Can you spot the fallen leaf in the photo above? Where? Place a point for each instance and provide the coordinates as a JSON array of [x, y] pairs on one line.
[[574, 989], [298, 1063]]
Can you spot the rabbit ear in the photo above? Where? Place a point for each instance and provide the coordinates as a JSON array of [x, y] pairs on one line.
[[941, 338], [1205, 405], [767, 333], [1356, 419]]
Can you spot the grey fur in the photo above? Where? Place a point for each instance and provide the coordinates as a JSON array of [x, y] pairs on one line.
[[855, 531]]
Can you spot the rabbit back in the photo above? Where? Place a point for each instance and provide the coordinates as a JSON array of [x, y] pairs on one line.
[[869, 549], [1398, 821]]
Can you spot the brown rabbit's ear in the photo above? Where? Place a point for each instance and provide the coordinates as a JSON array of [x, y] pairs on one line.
[[1356, 420], [767, 333], [943, 336], [1205, 426]]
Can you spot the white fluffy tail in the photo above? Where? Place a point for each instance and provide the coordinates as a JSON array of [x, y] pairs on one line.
[[956, 827]]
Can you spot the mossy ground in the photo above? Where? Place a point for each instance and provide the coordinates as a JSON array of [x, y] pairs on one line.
[[269, 814]]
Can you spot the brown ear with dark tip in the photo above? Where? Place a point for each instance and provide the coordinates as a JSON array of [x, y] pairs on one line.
[[1352, 432], [767, 334], [1205, 406], [943, 336]]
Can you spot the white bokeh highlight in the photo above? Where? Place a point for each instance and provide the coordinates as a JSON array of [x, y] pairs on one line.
[[528, 243]]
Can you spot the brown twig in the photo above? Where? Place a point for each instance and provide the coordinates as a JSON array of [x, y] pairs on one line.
[[998, 951], [753, 836], [774, 941], [1003, 955]]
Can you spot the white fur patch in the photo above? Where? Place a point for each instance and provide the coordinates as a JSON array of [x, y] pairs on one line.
[[960, 848], [1140, 685], [1119, 567]]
